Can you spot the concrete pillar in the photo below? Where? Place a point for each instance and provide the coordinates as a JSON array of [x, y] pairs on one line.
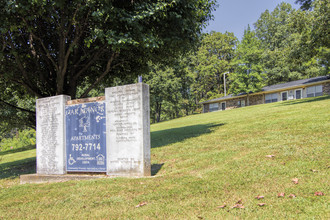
[[128, 130], [51, 135]]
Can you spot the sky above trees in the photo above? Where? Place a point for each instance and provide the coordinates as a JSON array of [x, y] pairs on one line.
[[235, 15]]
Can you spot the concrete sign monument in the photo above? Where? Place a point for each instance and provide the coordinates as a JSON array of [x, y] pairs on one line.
[[128, 130], [109, 135], [51, 135]]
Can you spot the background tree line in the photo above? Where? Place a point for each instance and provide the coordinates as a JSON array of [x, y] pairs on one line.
[[285, 45]]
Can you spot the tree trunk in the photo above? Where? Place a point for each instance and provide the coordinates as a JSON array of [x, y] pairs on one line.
[[176, 111], [158, 111]]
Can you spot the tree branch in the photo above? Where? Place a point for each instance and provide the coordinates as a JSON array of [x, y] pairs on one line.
[[16, 107], [79, 32], [46, 51], [27, 87], [89, 63], [27, 83], [33, 35], [71, 20], [67, 54], [98, 80], [33, 50]]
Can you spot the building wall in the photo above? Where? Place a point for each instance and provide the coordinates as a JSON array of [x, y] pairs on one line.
[[260, 99], [291, 94], [326, 88], [235, 103], [206, 108], [304, 93], [256, 99]]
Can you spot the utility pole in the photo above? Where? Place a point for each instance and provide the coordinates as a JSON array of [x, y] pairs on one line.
[[224, 82]]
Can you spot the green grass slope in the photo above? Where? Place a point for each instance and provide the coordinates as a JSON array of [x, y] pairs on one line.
[[199, 163]]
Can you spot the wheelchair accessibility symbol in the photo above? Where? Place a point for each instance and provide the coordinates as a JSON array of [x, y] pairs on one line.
[[71, 160]]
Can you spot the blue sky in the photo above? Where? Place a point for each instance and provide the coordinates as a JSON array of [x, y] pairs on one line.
[[235, 15]]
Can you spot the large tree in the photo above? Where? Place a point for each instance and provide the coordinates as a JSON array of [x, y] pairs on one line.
[[165, 93], [295, 42], [57, 47], [212, 60], [248, 72], [171, 96]]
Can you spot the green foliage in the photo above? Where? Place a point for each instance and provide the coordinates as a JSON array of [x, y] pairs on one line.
[[292, 42], [248, 74], [57, 47], [21, 140], [274, 33], [17, 109], [211, 61], [165, 96], [320, 33], [305, 4], [183, 69], [171, 89]]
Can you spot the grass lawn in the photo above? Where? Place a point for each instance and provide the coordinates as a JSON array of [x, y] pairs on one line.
[[199, 163]]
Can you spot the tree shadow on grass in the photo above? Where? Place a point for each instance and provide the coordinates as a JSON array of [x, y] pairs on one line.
[[174, 135], [305, 100], [16, 168], [158, 139], [29, 147]]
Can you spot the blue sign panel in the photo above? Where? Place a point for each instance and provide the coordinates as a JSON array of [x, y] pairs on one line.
[[86, 137]]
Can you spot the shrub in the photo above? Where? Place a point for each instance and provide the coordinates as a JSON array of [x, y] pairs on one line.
[[22, 139]]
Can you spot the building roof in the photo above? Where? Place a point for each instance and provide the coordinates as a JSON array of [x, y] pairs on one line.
[[296, 83], [223, 98]]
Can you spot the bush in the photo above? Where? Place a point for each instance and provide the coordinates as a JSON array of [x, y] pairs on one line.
[[22, 139]]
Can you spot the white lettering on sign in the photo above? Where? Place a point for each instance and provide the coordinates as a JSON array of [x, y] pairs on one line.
[[84, 110]]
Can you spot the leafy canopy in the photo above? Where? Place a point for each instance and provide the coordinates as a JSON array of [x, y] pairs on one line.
[[305, 4], [61, 47], [212, 60], [248, 72]]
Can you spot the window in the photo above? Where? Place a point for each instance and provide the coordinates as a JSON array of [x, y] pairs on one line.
[[269, 98], [314, 91], [240, 103], [298, 93], [213, 107], [318, 90], [284, 96]]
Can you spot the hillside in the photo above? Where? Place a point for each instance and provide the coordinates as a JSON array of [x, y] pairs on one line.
[[199, 163]]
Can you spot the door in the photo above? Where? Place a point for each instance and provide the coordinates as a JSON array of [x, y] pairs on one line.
[[284, 96], [223, 106], [298, 94]]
